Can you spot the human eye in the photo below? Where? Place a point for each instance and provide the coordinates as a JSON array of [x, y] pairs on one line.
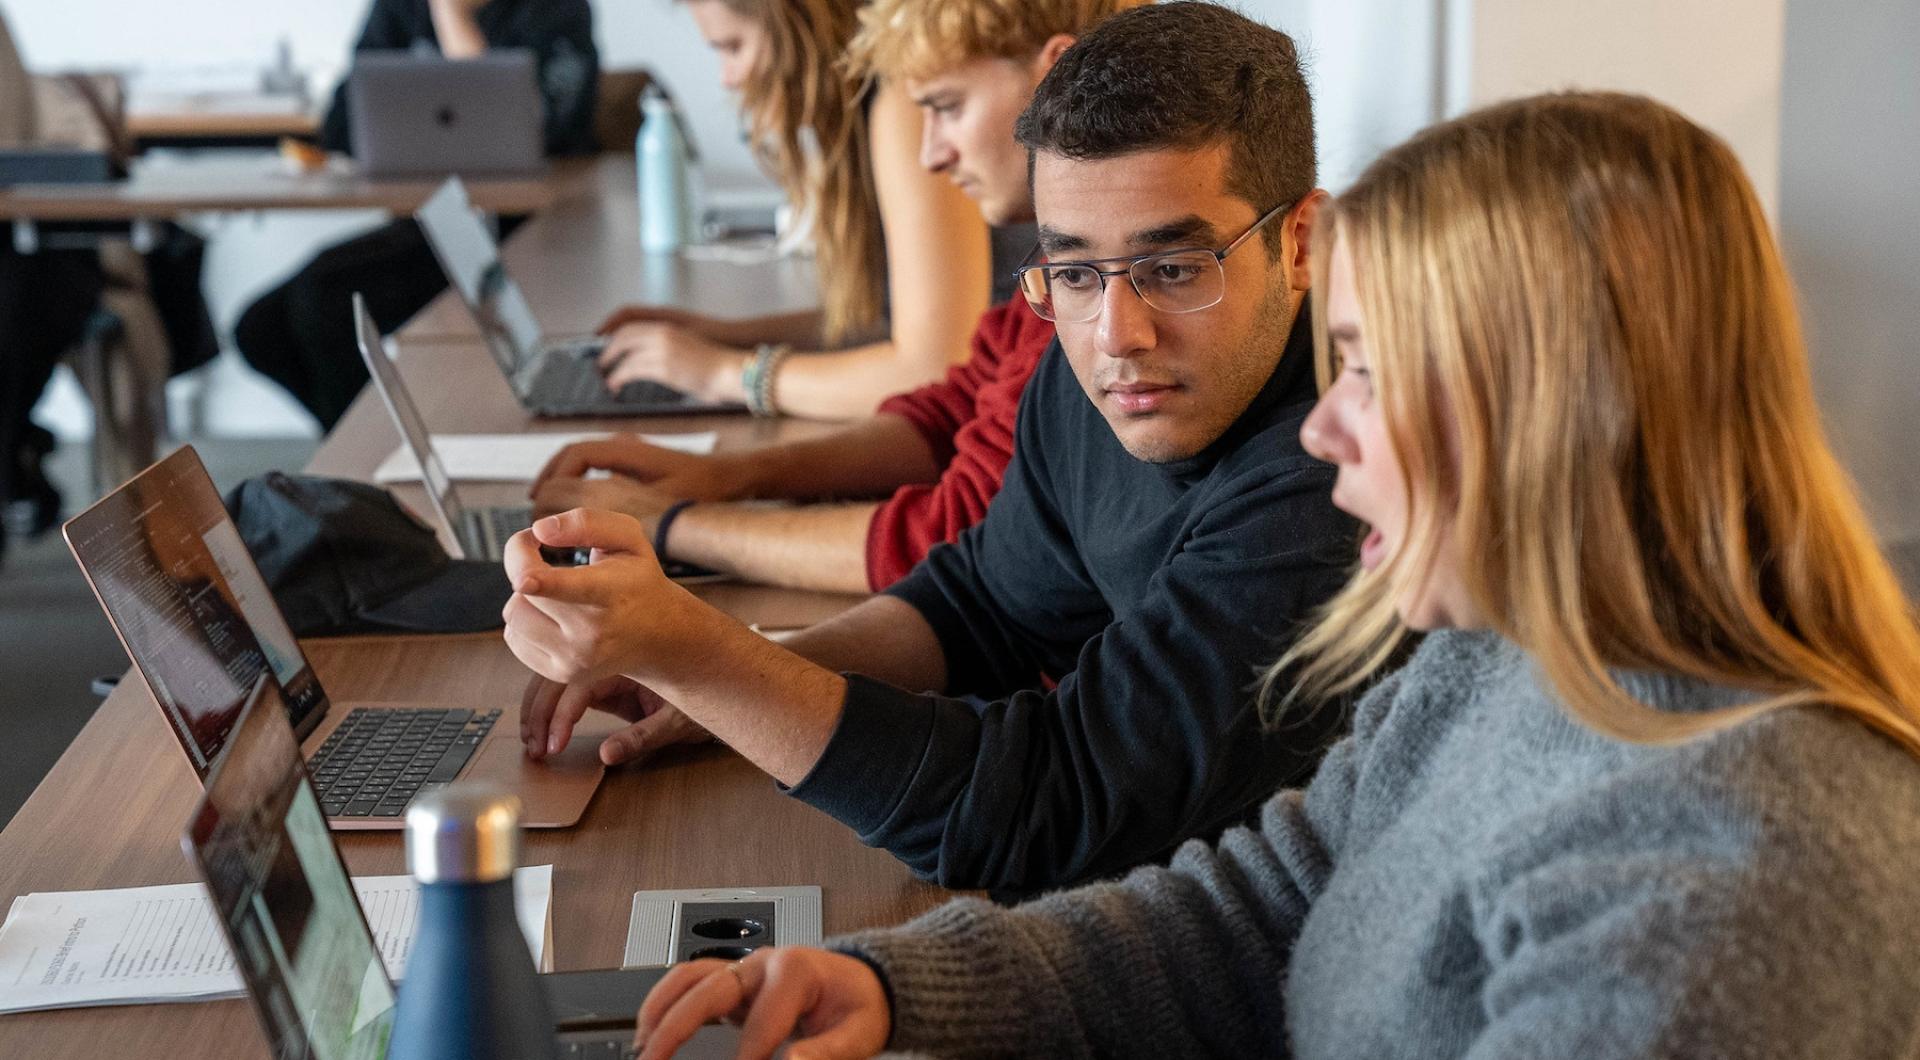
[[1074, 277], [1173, 272]]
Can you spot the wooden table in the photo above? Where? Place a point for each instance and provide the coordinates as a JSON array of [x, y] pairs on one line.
[[580, 258], [110, 812], [218, 121], [162, 190]]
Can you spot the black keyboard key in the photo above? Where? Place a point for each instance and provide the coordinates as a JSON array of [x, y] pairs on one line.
[[450, 764], [358, 808]]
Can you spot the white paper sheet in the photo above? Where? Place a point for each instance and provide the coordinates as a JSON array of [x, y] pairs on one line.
[[71, 949], [513, 457]]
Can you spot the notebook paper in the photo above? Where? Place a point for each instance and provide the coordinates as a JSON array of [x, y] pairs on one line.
[[514, 457], [135, 945]]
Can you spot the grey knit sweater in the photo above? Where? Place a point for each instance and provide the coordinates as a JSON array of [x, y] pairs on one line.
[[1474, 874]]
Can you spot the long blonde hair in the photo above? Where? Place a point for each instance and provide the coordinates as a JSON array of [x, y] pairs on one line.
[[801, 90], [1593, 372]]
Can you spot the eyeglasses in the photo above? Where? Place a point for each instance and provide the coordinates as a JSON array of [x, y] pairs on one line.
[[1184, 280]]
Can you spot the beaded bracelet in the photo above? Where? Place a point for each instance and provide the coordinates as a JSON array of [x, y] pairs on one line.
[[757, 377]]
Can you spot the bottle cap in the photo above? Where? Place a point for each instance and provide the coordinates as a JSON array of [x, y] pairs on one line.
[[463, 833]]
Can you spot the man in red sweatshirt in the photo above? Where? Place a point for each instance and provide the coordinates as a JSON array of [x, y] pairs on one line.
[[936, 454]]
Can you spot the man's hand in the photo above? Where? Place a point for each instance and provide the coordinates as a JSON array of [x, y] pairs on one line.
[[679, 357], [550, 710], [578, 625], [681, 476], [832, 1005], [616, 494]]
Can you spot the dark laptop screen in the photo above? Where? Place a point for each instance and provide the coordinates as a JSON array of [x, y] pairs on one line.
[[284, 899], [189, 604]]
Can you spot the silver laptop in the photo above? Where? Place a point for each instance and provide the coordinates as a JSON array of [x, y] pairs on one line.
[[299, 938], [424, 115], [550, 378], [187, 601], [478, 532]]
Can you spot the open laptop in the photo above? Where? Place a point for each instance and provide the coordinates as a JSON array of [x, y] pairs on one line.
[[193, 612], [550, 378], [425, 115], [478, 532], [299, 937]]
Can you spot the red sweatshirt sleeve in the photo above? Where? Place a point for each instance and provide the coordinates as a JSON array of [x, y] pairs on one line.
[[967, 419]]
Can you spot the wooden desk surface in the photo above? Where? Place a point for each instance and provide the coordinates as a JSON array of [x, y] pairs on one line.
[[252, 182], [110, 813], [200, 123], [580, 259]]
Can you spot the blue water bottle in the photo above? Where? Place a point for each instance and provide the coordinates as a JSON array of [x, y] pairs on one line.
[[662, 165], [470, 992]]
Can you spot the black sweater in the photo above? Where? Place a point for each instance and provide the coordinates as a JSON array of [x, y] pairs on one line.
[[558, 32], [1159, 591]]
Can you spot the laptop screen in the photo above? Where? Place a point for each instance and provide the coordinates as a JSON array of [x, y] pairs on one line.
[[413, 426], [189, 604], [284, 899], [471, 261]]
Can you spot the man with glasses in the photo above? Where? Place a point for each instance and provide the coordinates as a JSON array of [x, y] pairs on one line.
[[1160, 533]]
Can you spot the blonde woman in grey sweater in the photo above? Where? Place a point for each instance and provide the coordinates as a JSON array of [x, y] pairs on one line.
[[1650, 787]]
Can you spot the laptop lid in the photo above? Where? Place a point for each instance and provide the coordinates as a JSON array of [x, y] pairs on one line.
[[283, 898], [421, 114], [471, 260], [387, 381], [189, 605]]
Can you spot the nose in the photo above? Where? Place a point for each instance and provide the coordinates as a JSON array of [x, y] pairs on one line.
[[1324, 434], [1125, 327], [936, 154], [733, 74]]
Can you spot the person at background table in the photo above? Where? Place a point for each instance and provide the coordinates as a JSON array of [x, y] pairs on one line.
[[906, 264], [1650, 788], [297, 334], [1161, 533], [941, 450], [45, 300]]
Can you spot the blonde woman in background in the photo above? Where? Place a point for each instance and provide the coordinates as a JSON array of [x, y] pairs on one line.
[[1648, 788], [901, 252]]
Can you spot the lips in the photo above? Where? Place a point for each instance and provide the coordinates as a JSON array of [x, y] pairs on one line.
[[1140, 397]]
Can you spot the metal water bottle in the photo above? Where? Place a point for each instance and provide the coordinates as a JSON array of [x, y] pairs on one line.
[[662, 162], [470, 990]]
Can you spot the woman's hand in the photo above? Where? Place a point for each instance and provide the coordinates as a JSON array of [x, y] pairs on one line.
[[830, 1005], [675, 355]]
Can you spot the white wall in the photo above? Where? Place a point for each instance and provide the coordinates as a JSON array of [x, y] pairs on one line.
[[1717, 61], [1850, 219]]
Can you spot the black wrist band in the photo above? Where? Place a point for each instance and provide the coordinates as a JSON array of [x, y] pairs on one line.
[[660, 528]]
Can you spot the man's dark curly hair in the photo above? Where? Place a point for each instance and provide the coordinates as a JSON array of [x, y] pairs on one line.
[[1183, 75]]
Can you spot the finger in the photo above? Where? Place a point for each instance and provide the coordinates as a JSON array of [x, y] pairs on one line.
[[679, 980], [558, 496], [571, 461], [663, 728], [568, 709], [533, 627], [535, 656], [618, 347], [713, 998], [779, 1001], [522, 560], [535, 704], [601, 531]]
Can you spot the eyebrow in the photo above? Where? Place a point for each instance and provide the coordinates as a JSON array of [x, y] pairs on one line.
[[1184, 231], [1344, 333], [935, 97]]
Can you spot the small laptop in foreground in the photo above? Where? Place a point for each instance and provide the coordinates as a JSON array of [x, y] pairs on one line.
[[193, 612], [550, 378], [478, 532], [299, 937], [414, 115]]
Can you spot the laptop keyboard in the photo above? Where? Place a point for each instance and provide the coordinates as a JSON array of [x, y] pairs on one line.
[[581, 385], [378, 760], [616, 1047]]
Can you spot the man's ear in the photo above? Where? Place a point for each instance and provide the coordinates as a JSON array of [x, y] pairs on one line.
[[1299, 226], [1050, 53]]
